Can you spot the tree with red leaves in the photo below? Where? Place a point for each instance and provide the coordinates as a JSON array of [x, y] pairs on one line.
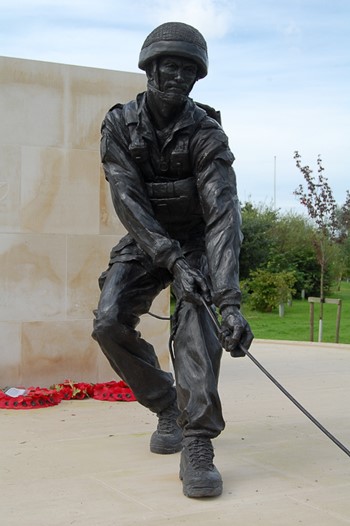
[[324, 212]]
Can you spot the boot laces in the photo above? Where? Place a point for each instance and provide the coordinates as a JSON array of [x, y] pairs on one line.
[[200, 454], [167, 420]]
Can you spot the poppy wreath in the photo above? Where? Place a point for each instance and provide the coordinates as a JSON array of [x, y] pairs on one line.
[[114, 391], [36, 397], [69, 390]]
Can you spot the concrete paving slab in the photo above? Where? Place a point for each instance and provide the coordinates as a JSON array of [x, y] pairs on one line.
[[87, 463]]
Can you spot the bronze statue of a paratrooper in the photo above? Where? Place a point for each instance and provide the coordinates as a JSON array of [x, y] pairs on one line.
[[169, 167]]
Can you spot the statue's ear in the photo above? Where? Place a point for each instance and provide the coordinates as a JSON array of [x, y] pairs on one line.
[[151, 70]]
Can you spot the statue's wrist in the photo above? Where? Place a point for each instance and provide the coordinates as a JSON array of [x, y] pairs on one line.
[[227, 310], [179, 264]]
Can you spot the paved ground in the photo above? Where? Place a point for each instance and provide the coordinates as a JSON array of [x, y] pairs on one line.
[[87, 463]]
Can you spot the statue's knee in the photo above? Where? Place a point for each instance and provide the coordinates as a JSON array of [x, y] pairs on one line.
[[106, 325], [114, 327]]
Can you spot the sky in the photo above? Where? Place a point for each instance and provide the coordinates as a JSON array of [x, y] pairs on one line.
[[279, 72]]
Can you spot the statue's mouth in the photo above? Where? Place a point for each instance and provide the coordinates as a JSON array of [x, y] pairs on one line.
[[177, 88]]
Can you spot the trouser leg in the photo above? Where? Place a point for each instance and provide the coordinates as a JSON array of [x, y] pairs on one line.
[[127, 293], [197, 362]]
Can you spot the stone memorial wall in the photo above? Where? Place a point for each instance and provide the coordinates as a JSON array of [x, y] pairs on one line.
[[57, 223]]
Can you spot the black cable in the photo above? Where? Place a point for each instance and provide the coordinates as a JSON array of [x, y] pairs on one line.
[[165, 318], [298, 405], [281, 388]]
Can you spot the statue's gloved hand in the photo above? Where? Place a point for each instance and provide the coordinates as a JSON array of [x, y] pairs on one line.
[[191, 282], [235, 331]]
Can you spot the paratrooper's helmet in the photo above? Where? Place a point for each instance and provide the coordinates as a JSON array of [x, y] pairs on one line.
[[178, 39]]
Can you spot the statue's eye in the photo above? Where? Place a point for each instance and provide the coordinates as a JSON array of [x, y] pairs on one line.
[[171, 66], [190, 70]]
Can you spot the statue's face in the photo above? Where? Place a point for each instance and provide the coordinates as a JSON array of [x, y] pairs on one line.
[[176, 75]]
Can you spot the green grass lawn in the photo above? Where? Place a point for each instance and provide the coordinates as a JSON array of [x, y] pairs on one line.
[[295, 325]]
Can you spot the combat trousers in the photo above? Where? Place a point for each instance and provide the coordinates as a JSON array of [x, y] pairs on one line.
[[127, 293]]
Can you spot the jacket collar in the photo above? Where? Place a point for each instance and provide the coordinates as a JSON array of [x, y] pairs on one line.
[[137, 114]]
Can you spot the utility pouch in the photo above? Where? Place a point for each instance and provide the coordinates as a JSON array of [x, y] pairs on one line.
[[173, 199], [179, 158], [139, 151]]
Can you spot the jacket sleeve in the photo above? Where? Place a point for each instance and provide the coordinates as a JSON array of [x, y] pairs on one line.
[[216, 181], [129, 194]]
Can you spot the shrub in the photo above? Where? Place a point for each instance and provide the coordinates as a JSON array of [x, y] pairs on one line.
[[270, 289]]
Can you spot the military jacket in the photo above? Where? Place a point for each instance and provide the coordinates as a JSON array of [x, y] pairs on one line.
[[174, 189]]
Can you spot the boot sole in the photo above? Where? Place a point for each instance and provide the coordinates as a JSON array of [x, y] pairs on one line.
[[161, 450], [201, 492], [197, 492], [165, 444]]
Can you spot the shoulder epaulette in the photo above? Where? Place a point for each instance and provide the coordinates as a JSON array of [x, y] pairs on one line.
[[118, 105]]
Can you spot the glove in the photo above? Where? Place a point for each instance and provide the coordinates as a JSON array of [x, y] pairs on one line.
[[235, 334], [191, 282]]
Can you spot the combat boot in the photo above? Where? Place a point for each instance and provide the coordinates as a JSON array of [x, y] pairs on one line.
[[167, 438], [199, 476]]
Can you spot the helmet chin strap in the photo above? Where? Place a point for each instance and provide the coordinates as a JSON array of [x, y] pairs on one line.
[[170, 98]]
